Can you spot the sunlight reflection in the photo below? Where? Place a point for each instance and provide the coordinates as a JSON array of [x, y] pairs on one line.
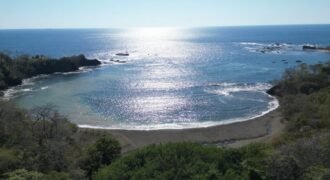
[[165, 70], [155, 33], [154, 104]]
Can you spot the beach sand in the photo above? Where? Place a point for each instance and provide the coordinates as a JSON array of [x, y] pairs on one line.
[[261, 129]]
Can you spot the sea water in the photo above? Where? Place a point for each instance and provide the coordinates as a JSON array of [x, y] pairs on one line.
[[173, 78]]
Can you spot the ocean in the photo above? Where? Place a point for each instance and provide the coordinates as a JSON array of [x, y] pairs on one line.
[[174, 78]]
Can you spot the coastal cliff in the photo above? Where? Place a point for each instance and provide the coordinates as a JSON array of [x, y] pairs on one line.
[[14, 70]]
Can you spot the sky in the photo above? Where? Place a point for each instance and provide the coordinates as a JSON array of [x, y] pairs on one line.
[[22, 14]]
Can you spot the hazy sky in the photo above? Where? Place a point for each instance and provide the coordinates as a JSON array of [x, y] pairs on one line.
[[155, 13]]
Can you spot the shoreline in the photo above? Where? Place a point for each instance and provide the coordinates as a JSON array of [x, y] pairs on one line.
[[7, 93], [260, 129]]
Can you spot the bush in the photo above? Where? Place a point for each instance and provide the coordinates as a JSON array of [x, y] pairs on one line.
[[8, 160], [22, 174], [40, 140], [104, 152], [188, 161]]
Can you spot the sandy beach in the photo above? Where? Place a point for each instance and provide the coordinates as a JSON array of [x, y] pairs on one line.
[[260, 129]]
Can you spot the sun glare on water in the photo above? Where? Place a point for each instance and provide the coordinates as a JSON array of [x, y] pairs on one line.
[[154, 33]]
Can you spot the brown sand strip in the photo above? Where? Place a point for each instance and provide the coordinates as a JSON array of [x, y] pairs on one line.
[[234, 135]]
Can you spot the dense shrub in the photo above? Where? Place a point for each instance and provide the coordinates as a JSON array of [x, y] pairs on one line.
[[103, 152], [188, 161], [303, 80], [303, 152], [23, 174], [302, 158], [41, 143], [8, 160]]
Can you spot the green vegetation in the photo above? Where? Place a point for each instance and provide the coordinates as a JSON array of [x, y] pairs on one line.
[[189, 161], [305, 99], [13, 71], [43, 144], [303, 151], [102, 153]]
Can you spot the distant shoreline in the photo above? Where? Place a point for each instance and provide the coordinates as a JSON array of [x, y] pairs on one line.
[[25, 67]]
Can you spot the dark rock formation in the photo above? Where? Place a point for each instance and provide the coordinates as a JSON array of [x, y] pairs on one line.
[[275, 90], [307, 48], [280, 89]]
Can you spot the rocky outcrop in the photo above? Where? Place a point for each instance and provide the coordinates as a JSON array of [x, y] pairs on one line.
[[311, 48], [13, 71], [280, 90], [274, 91]]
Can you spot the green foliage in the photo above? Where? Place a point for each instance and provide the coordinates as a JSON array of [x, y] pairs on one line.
[[58, 176], [305, 98], [8, 160], [304, 150], [302, 158], [39, 140], [102, 153], [22, 174], [303, 80], [13, 126], [317, 173], [188, 161]]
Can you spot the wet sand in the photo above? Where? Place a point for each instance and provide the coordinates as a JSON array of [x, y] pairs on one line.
[[260, 129]]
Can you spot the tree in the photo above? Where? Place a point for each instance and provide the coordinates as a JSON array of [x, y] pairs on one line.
[[50, 125], [102, 153]]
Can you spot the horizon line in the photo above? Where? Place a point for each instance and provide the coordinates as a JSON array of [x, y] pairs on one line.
[[174, 27]]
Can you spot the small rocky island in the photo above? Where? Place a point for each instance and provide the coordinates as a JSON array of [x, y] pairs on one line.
[[14, 70], [311, 48]]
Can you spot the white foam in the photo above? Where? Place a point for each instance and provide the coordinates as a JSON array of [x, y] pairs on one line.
[[226, 89], [251, 43], [8, 94], [26, 90], [44, 88], [275, 48], [12, 92]]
